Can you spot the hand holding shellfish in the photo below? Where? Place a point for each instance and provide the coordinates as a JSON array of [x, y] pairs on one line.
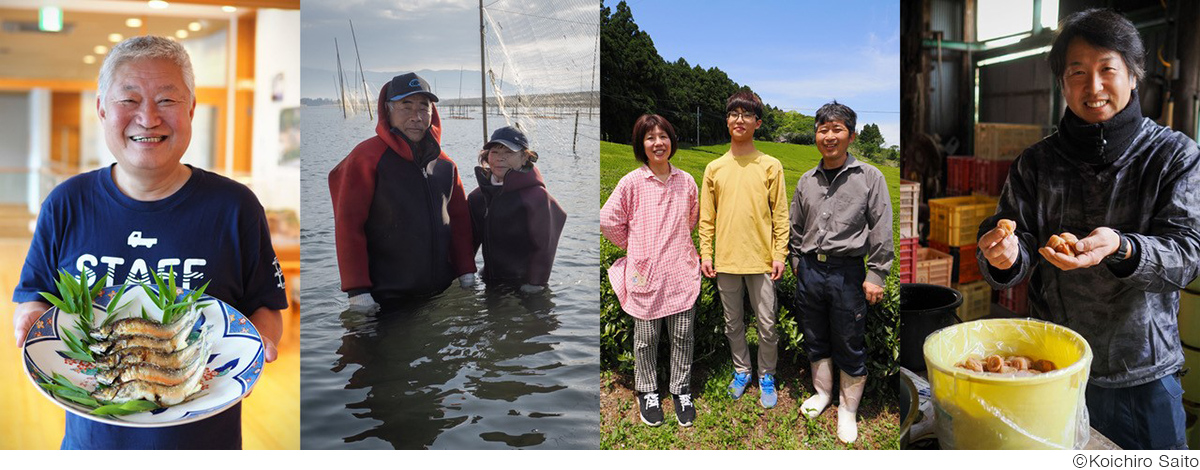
[[1066, 252], [999, 245]]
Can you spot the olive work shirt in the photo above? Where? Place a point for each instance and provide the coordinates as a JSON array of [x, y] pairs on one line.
[[848, 216], [1150, 192]]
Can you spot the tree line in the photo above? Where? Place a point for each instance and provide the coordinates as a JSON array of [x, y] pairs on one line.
[[637, 80]]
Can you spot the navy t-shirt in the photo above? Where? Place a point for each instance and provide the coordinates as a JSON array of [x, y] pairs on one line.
[[211, 229]]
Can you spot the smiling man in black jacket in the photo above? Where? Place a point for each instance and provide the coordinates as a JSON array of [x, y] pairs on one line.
[[1130, 189]]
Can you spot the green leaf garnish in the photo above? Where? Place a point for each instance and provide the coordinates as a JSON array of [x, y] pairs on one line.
[[113, 306], [79, 350], [129, 407], [69, 394]]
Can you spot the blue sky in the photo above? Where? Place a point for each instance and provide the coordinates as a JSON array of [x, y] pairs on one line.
[[796, 55]]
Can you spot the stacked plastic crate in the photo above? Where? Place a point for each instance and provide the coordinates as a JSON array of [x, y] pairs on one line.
[[990, 176], [966, 264], [954, 224], [910, 198], [1016, 298], [977, 300], [963, 179], [960, 175], [997, 141], [933, 267], [996, 146]]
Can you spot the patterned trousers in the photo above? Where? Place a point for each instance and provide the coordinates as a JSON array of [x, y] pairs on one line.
[[645, 351]]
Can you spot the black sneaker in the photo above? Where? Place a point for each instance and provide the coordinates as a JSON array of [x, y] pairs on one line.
[[685, 412], [649, 408]]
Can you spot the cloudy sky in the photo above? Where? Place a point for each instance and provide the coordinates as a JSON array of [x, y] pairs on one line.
[[796, 55], [542, 38]]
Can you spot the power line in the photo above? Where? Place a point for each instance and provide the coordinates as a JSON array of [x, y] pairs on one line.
[[856, 111]]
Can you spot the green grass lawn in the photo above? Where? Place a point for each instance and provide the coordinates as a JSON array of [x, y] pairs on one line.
[[724, 423]]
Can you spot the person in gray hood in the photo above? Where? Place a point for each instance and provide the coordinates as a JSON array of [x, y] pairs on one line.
[[1130, 190]]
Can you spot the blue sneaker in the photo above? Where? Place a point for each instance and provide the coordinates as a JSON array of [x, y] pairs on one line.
[[767, 385], [738, 386]]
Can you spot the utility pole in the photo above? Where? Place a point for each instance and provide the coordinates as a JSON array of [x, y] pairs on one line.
[[482, 74]]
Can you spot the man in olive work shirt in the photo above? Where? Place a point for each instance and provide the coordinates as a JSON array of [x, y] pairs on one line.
[[840, 213], [1130, 189]]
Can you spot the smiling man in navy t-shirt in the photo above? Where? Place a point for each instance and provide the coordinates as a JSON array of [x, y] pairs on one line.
[[151, 212]]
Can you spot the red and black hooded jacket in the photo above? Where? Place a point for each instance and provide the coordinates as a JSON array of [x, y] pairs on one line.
[[518, 224], [400, 213]]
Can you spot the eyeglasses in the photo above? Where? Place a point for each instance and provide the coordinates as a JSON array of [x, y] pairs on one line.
[[734, 116]]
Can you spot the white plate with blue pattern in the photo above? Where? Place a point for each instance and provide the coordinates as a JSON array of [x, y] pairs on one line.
[[234, 363]]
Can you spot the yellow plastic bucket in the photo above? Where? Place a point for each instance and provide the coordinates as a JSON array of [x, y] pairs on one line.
[[983, 411]]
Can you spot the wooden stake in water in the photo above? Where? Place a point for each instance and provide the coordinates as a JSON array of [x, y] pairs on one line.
[[341, 77], [366, 92], [576, 137]]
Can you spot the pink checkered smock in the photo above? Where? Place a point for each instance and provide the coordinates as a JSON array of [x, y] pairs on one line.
[[653, 222]]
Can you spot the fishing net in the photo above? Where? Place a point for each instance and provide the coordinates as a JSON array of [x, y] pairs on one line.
[[542, 71]]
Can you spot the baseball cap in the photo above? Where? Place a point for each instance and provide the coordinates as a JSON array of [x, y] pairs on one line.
[[407, 84], [511, 137]]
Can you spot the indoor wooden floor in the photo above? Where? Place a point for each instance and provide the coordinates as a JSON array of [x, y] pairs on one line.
[[270, 416]]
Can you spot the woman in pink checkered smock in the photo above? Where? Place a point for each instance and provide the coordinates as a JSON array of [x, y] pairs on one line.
[[651, 214]]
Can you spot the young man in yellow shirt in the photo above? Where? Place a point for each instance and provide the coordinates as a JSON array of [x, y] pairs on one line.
[[744, 221]]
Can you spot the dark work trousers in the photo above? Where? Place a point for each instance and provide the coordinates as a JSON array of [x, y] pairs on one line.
[[1147, 416], [833, 310]]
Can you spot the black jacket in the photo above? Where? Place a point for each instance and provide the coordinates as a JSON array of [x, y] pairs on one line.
[[1131, 175], [518, 224]]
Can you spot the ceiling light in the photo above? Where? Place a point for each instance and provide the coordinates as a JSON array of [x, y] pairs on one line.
[[157, 4], [100, 50], [1011, 57], [194, 26], [87, 59], [228, 9], [50, 19], [114, 37], [133, 22], [181, 34]]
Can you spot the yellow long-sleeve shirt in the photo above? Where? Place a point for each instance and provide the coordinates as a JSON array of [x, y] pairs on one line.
[[744, 204]]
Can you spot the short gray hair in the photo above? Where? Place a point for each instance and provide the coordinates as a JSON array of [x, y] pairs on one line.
[[146, 47]]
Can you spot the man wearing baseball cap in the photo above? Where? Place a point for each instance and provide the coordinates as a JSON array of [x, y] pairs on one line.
[[391, 198]]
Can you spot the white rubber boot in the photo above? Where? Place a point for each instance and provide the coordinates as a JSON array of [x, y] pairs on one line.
[[850, 394], [822, 375]]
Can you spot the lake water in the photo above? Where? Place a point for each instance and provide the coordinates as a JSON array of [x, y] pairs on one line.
[[468, 369]]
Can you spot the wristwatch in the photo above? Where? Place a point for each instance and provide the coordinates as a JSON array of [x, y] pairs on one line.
[[1122, 249]]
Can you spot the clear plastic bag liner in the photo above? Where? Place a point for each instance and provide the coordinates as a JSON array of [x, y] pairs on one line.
[[989, 411]]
